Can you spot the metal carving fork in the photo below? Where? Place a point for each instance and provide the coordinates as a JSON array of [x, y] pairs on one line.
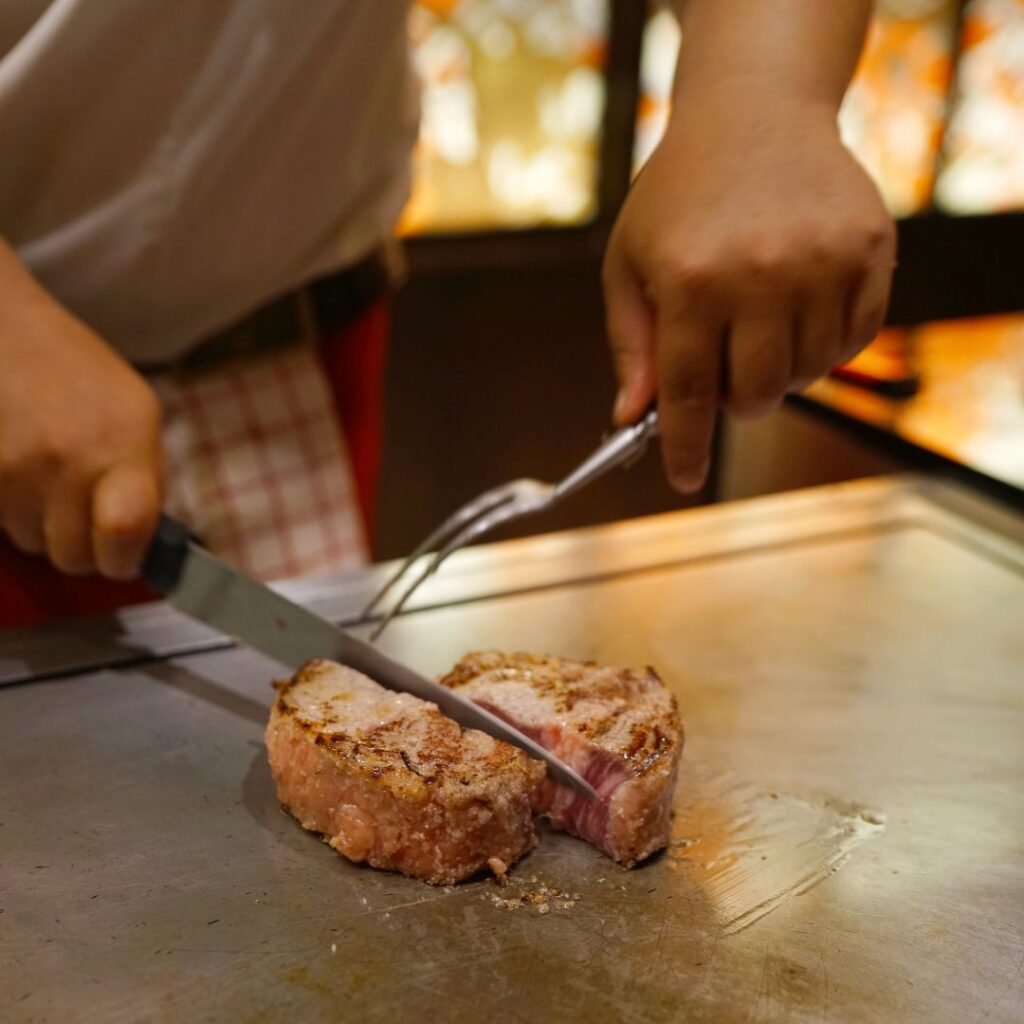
[[507, 502]]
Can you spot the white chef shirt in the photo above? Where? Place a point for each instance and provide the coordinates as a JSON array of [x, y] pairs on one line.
[[168, 165]]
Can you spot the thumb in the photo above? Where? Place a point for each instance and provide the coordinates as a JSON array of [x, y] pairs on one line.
[[632, 332]]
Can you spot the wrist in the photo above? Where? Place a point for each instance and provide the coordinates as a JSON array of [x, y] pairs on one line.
[[741, 109], [758, 92], [797, 54]]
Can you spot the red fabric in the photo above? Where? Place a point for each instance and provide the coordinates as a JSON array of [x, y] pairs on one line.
[[32, 592], [355, 358]]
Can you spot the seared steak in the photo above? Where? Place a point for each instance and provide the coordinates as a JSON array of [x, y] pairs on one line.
[[391, 781], [618, 728]]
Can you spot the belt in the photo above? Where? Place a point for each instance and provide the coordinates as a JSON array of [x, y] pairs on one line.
[[330, 303]]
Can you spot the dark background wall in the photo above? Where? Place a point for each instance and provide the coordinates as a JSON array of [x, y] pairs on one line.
[[500, 372]]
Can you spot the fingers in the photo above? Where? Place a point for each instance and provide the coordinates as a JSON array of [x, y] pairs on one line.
[[760, 359], [689, 373], [125, 508], [820, 332], [632, 332], [66, 526], [839, 317], [23, 524], [103, 528], [867, 304]]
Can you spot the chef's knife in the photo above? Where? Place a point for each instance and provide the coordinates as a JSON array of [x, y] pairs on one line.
[[179, 569]]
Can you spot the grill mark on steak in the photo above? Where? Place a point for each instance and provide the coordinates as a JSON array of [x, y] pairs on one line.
[[408, 764], [390, 781], [619, 728]]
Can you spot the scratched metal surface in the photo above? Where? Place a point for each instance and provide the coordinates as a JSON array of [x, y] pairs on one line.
[[849, 839]]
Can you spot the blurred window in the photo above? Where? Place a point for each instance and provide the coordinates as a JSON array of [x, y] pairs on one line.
[[512, 106], [983, 170], [513, 102], [894, 112]]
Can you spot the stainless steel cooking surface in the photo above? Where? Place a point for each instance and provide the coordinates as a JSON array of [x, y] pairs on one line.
[[849, 839]]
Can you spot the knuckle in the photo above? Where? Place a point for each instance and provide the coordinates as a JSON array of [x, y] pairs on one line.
[[24, 462], [828, 249], [865, 242], [694, 275], [767, 262], [879, 234]]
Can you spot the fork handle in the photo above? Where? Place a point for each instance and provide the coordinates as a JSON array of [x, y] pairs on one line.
[[626, 443]]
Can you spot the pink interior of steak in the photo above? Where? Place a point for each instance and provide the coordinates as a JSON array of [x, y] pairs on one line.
[[563, 807], [617, 728]]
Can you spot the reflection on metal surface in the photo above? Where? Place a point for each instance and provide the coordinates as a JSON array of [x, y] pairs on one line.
[[970, 407], [512, 102], [752, 849], [738, 849], [984, 170]]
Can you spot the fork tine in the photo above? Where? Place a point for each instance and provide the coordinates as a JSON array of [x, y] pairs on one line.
[[477, 506], [484, 524]]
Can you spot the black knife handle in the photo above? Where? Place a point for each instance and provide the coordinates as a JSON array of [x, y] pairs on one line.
[[165, 558]]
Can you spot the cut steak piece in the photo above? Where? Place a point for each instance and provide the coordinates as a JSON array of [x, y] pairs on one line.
[[391, 781], [617, 727]]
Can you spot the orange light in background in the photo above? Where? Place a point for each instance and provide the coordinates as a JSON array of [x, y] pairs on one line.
[[887, 365], [893, 115], [983, 170], [970, 406], [657, 69]]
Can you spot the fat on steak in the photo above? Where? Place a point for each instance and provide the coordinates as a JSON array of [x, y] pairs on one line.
[[617, 727], [387, 779]]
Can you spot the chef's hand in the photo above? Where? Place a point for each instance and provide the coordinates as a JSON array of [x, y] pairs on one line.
[[80, 457], [752, 255]]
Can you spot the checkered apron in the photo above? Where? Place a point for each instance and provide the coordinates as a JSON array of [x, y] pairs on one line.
[[258, 466]]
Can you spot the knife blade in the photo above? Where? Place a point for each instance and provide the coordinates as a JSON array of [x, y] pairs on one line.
[[199, 584]]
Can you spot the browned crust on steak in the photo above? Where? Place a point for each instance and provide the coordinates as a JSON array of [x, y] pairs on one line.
[[390, 780], [561, 684]]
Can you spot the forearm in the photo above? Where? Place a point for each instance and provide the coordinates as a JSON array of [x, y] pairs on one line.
[[782, 50]]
